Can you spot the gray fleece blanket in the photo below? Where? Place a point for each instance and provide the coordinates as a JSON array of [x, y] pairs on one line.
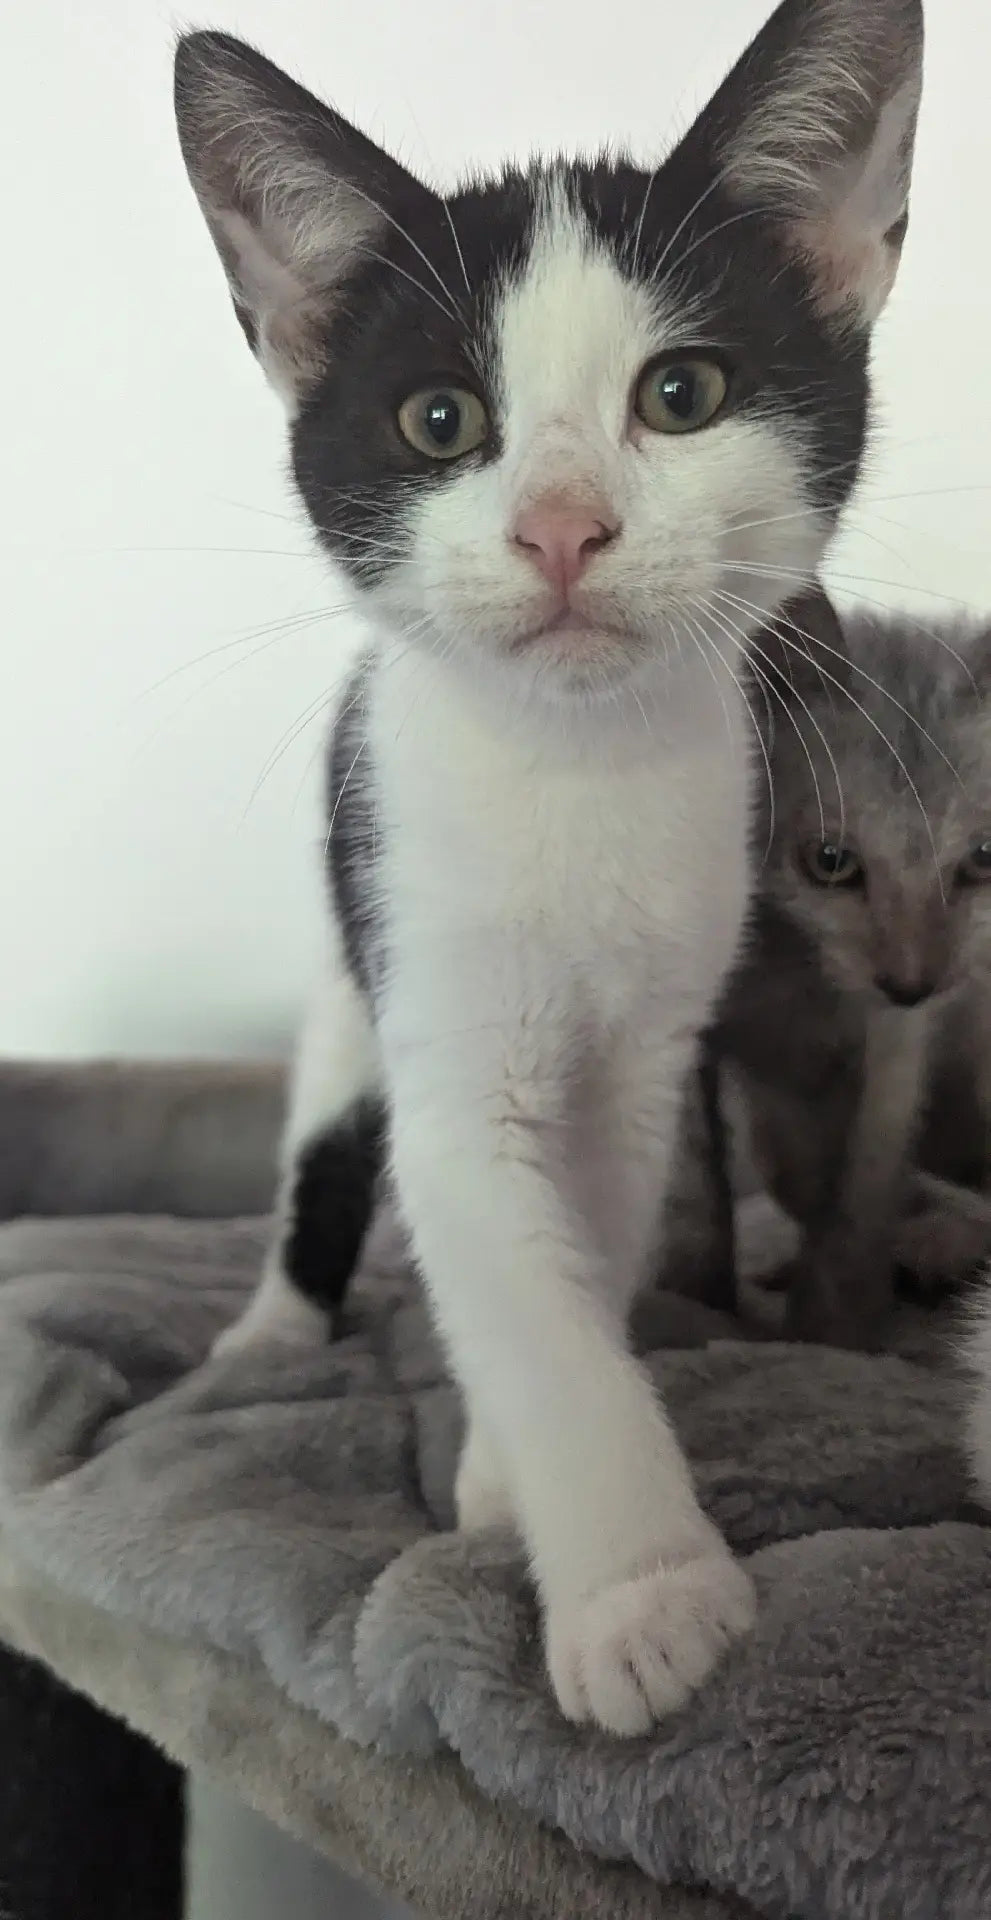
[[291, 1514]]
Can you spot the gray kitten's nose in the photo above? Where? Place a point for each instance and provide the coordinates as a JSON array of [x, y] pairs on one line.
[[904, 993]]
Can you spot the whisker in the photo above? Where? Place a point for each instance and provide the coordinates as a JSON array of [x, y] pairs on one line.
[[326, 698], [810, 510], [280, 630], [766, 748], [892, 749], [642, 710], [240, 553], [286, 740], [697, 635], [340, 797], [936, 493], [267, 513], [321, 748], [738, 683], [454, 310], [648, 190], [749, 646], [291, 623], [835, 573], [679, 229], [372, 540], [701, 239], [749, 607], [801, 578], [856, 506], [369, 253], [457, 248]]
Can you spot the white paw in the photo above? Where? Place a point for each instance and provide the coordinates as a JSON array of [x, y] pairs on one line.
[[288, 1321], [627, 1656], [481, 1496]]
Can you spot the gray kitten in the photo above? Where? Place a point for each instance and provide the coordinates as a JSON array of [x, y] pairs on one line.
[[855, 1036]]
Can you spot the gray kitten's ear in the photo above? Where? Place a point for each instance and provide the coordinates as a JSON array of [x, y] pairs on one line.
[[292, 195], [803, 654], [816, 127]]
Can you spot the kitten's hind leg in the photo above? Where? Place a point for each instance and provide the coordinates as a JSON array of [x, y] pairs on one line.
[[332, 1155]]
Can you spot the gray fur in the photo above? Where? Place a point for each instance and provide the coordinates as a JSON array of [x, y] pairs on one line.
[[422, 1834], [194, 1137], [882, 743], [197, 1544]]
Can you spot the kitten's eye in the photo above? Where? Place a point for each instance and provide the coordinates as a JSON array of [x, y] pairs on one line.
[[444, 422], [830, 865], [680, 396], [977, 866]]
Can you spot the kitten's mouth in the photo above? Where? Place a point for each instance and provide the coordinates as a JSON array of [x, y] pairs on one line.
[[570, 628]]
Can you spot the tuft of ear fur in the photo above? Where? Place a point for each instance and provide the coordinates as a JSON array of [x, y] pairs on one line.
[[815, 126], [291, 193]]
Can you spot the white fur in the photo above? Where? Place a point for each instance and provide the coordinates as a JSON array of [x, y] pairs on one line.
[[564, 874]]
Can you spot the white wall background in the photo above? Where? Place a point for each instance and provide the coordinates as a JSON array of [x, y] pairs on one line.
[[158, 894]]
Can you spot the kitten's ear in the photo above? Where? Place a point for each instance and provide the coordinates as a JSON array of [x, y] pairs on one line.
[[816, 127], [803, 652], [291, 193]]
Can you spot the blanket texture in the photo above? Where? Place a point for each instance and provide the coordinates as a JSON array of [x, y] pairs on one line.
[[286, 1515]]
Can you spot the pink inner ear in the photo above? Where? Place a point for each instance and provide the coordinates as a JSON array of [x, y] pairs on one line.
[[848, 265]]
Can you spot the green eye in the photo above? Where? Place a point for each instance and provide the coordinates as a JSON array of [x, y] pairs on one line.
[[830, 865], [444, 423], [680, 396], [977, 866]]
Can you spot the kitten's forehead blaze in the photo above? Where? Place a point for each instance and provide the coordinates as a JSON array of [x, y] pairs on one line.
[[570, 331]]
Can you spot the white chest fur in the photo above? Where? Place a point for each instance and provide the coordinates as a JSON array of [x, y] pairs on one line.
[[621, 865]]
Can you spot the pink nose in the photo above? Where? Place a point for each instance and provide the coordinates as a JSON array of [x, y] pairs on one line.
[[561, 538]]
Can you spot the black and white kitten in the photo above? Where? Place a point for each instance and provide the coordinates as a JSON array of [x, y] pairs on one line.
[[541, 423]]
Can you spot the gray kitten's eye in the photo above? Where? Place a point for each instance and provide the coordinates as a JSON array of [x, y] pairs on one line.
[[830, 865], [977, 866], [444, 422], [680, 396]]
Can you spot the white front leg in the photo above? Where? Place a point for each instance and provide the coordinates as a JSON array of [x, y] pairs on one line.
[[639, 1590]]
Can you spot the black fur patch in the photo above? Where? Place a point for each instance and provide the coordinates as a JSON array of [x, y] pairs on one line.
[[351, 834], [337, 1178]]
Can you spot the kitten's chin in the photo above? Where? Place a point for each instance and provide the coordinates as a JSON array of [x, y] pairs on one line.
[[574, 653]]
